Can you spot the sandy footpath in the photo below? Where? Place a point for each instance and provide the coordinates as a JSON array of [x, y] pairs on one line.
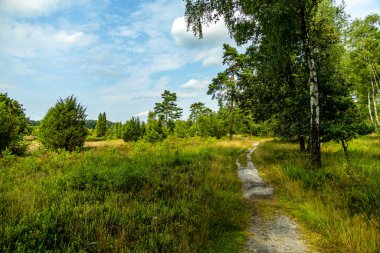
[[276, 234]]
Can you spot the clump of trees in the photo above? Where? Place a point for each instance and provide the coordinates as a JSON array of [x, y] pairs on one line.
[[101, 125], [13, 125], [63, 126], [292, 74], [362, 64], [133, 129]]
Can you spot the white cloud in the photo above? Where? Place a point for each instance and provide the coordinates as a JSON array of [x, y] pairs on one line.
[[142, 114], [29, 8], [213, 35], [27, 40], [210, 57], [196, 84], [70, 38], [155, 17], [361, 8]]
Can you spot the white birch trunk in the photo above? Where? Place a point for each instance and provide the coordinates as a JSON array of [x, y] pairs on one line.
[[314, 94], [376, 78], [369, 109], [374, 104]]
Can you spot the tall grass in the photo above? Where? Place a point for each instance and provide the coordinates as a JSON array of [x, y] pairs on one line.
[[340, 201], [175, 196]]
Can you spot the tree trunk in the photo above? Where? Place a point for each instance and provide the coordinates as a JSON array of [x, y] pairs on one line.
[[231, 127], [374, 105], [315, 148], [231, 130], [376, 78], [345, 146], [302, 143], [370, 110], [308, 145]]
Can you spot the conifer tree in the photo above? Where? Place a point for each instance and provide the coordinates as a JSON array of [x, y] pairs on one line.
[[101, 125], [13, 124], [168, 109], [63, 126]]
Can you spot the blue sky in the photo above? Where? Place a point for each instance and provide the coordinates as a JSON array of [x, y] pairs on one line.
[[115, 56]]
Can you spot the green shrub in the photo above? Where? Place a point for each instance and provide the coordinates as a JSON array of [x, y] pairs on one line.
[[13, 125], [63, 127]]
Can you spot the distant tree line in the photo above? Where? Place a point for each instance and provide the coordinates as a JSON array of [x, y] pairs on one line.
[[308, 75]]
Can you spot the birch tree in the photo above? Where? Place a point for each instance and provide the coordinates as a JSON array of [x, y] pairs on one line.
[[247, 22], [363, 43]]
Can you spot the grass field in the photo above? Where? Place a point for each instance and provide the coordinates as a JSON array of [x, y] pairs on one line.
[[339, 203], [174, 196]]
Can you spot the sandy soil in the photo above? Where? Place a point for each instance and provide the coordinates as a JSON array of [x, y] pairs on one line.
[[275, 234]]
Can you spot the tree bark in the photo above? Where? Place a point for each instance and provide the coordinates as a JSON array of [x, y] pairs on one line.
[[376, 78], [374, 104], [231, 127], [308, 145], [370, 109], [315, 148], [345, 146], [302, 143]]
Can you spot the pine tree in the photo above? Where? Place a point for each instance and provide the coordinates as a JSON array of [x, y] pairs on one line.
[[168, 109], [101, 125]]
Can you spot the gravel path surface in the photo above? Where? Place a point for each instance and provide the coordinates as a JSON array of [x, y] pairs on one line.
[[278, 234]]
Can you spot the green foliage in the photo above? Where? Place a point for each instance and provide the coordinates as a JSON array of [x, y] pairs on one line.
[[183, 129], [175, 196], [13, 125], [168, 108], [63, 126], [211, 125], [115, 131], [101, 125], [133, 130], [154, 130], [197, 109], [362, 64], [224, 86], [347, 123]]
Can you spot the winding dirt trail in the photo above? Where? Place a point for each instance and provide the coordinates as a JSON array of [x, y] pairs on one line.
[[273, 233]]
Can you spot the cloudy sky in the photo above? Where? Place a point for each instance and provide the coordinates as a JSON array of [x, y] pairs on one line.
[[116, 56]]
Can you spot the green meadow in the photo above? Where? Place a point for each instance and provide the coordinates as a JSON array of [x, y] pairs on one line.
[[179, 195]]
